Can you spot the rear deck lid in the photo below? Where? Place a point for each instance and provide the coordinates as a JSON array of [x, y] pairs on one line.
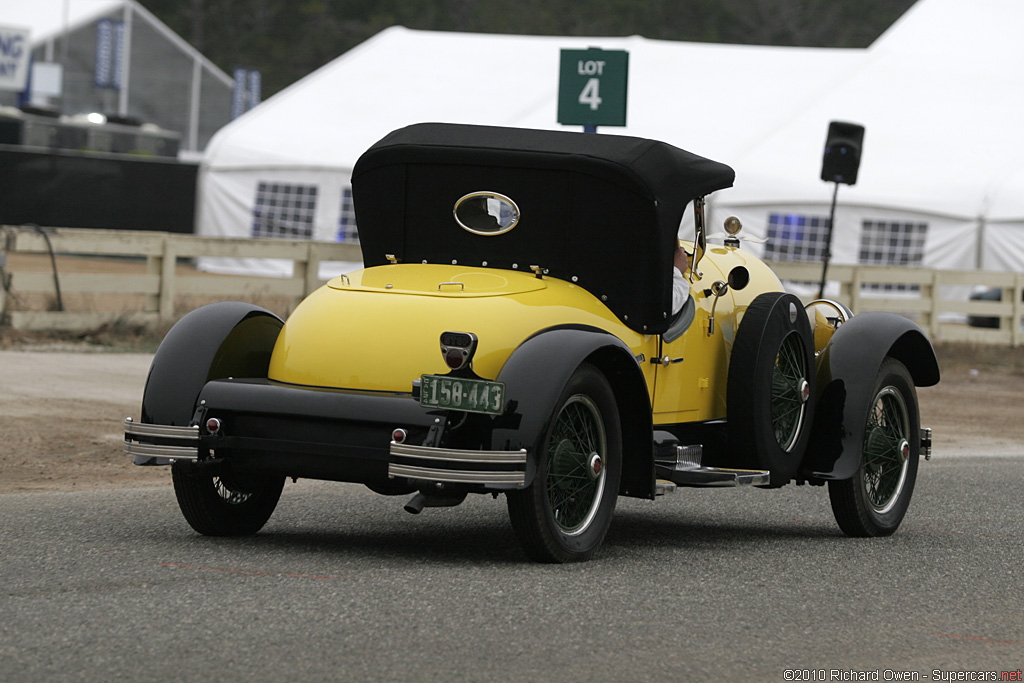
[[438, 280]]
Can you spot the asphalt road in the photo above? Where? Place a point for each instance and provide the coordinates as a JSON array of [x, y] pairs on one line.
[[342, 584]]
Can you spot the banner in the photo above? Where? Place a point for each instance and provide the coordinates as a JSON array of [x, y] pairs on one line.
[[245, 94], [15, 52], [109, 54]]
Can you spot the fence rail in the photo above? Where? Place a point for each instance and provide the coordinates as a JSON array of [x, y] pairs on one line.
[[162, 281], [931, 297]]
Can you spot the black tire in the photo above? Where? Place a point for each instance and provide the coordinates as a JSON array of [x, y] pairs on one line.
[[220, 505], [565, 512], [770, 385], [874, 501]]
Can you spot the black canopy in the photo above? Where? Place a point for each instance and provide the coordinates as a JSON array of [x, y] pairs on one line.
[[599, 210]]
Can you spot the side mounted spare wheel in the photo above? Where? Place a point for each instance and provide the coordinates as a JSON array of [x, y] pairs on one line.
[[771, 387]]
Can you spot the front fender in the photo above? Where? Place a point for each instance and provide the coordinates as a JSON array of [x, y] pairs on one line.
[[847, 370], [537, 372], [224, 339]]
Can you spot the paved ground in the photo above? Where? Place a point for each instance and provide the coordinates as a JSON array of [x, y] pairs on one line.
[[103, 580], [728, 585]]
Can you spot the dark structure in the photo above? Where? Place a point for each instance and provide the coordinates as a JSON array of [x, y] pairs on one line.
[[71, 189]]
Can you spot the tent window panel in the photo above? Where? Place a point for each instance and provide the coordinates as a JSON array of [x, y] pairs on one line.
[[347, 230], [892, 243], [284, 210], [796, 237]]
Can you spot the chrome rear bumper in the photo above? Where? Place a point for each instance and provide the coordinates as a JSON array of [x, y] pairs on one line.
[[160, 441], [459, 466]]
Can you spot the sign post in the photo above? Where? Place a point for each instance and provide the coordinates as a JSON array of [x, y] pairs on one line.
[[592, 87]]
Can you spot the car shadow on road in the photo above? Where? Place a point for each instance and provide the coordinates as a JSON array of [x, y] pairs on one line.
[[448, 538], [632, 529]]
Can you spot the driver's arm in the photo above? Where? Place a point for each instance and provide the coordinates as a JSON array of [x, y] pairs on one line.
[[680, 287]]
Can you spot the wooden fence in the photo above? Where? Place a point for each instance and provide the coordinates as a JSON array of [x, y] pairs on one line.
[[160, 282], [929, 296]]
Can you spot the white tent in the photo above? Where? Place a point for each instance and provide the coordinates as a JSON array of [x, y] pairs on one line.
[[941, 95], [935, 94], [702, 97]]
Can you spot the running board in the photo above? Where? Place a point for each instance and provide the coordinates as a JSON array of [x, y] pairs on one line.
[[678, 465], [710, 476]]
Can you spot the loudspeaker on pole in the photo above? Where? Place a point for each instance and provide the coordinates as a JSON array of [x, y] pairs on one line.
[[842, 152]]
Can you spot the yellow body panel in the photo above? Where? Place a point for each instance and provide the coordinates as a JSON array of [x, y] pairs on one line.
[[379, 329]]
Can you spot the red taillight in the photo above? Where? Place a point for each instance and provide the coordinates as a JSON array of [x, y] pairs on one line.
[[457, 349], [399, 436], [213, 425], [456, 358]]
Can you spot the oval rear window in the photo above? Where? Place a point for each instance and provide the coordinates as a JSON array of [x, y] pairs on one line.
[[486, 213]]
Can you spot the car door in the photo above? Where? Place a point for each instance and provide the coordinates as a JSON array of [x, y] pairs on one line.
[[691, 371]]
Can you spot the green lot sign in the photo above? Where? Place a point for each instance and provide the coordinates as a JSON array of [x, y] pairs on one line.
[[592, 87]]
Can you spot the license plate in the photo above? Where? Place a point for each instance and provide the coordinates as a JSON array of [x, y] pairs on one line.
[[458, 393]]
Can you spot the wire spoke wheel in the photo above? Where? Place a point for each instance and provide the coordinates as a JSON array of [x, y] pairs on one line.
[[575, 481], [874, 500], [789, 392], [228, 494], [886, 450], [564, 513], [224, 505]]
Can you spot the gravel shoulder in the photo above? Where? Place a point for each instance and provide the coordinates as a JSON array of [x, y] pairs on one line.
[[61, 416]]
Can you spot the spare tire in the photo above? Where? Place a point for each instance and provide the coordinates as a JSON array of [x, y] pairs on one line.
[[770, 387]]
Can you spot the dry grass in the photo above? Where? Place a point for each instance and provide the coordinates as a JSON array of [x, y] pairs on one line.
[[956, 357], [120, 334], [118, 337]]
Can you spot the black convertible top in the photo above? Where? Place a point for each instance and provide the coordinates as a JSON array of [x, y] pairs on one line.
[[599, 210]]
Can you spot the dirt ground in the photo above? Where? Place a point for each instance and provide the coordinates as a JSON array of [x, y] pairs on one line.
[[62, 406]]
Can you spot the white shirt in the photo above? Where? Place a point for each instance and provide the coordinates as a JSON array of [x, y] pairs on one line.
[[680, 290]]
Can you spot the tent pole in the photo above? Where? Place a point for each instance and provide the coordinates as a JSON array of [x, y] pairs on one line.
[[980, 244], [828, 241]]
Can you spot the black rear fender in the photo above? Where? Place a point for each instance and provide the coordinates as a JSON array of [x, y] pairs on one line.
[[225, 339], [539, 369], [847, 369]]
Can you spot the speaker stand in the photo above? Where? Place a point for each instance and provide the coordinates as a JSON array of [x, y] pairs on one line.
[[828, 242]]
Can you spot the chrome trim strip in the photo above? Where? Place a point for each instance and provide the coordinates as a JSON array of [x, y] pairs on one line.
[[186, 437], [152, 450], [753, 478], [160, 431], [456, 476], [458, 455]]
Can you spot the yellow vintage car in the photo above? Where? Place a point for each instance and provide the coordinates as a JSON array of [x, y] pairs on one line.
[[513, 333]]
